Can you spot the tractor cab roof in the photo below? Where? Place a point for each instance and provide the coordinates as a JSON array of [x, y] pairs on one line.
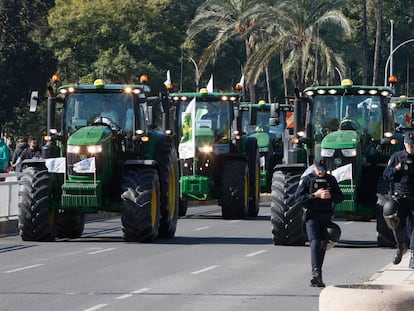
[[348, 88]]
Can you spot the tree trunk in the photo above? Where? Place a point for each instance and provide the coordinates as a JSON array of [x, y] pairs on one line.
[[250, 86], [269, 91], [377, 42], [365, 43]]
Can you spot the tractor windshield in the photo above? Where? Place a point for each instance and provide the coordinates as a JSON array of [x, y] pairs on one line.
[[402, 116], [262, 124], [352, 112], [211, 121], [114, 109]]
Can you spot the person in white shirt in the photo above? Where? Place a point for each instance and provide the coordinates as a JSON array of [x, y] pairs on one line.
[[109, 113]]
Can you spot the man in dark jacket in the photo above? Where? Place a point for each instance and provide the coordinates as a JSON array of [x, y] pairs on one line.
[[400, 172], [21, 145], [318, 192], [33, 151]]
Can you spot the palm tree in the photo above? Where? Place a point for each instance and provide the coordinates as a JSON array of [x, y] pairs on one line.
[[296, 30], [229, 19]]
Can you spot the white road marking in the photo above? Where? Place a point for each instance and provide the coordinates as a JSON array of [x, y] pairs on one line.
[[139, 291], [256, 253], [97, 307], [348, 222], [233, 221], [102, 251], [204, 270], [202, 228], [24, 268]]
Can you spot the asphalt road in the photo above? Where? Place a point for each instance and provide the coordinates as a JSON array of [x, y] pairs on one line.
[[211, 264]]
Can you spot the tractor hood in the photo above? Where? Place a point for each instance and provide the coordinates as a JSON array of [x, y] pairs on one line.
[[340, 140], [262, 139], [89, 135]]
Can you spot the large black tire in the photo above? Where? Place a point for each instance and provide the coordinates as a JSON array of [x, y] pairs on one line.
[[385, 237], [287, 219], [166, 157], [183, 206], [36, 221], [253, 155], [70, 224], [235, 190], [140, 206]]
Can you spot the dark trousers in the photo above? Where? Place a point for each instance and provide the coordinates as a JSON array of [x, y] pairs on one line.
[[405, 231], [315, 229]]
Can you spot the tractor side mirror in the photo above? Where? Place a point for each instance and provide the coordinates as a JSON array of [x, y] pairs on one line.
[[34, 98]]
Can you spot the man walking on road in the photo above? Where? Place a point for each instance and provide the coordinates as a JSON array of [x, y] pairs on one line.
[[400, 172], [318, 191]]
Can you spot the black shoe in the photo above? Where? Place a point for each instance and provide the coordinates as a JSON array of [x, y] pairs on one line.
[[316, 280], [402, 249], [411, 264]]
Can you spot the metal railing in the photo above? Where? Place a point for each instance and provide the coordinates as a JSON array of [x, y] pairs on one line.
[[9, 191]]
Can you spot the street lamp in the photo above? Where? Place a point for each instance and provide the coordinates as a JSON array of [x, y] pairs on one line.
[[389, 58], [197, 72]]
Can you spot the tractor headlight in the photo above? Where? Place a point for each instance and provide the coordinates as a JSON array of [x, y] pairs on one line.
[[94, 148], [73, 149], [205, 149], [327, 152], [349, 152]]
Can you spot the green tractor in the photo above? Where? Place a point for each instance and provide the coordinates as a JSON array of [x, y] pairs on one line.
[[216, 161], [357, 148], [255, 123], [103, 158]]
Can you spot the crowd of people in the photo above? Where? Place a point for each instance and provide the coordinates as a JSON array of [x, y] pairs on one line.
[[11, 160]]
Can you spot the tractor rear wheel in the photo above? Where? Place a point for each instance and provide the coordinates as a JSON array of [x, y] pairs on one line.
[[70, 224], [140, 206], [166, 157], [287, 219], [254, 177], [36, 221], [235, 190]]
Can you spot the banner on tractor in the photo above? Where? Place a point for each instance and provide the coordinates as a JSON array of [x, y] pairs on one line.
[[85, 166], [343, 173], [186, 148], [56, 165]]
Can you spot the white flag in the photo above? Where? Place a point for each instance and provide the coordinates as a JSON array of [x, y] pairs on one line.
[[167, 82], [240, 85], [343, 173], [56, 165], [85, 166], [186, 149], [210, 85]]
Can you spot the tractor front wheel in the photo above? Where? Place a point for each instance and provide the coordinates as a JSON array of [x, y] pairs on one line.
[[235, 190], [36, 221], [140, 206], [286, 218]]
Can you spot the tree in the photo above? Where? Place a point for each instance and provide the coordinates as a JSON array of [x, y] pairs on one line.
[[302, 31], [230, 20], [24, 62], [115, 41]]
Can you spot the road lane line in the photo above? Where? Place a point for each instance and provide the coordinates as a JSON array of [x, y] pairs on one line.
[[97, 307], [139, 291], [102, 251], [348, 222], [202, 228], [256, 253], [24, 268], [204, 270], [234, 221]]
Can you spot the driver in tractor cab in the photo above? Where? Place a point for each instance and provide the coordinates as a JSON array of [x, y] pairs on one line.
[[353, 119], [109, 113]]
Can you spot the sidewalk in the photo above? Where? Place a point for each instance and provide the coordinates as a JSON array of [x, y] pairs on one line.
[[394, 274]]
